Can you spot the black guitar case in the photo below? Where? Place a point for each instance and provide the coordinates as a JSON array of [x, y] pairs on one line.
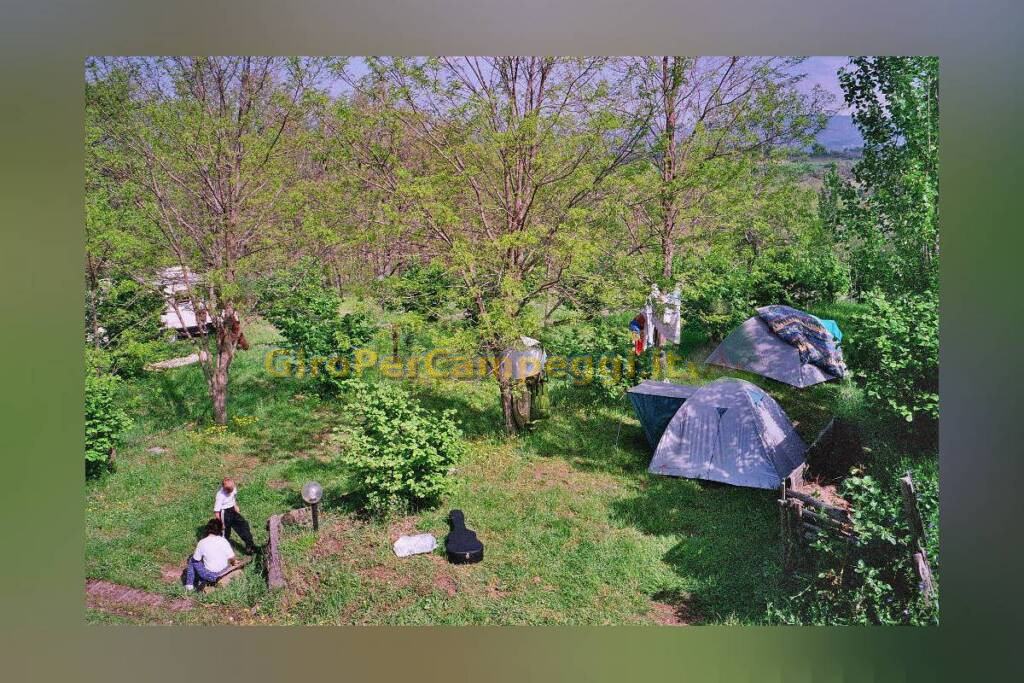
[[462, 545]]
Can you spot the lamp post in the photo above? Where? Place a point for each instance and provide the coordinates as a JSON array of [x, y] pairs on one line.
[[312, 492]]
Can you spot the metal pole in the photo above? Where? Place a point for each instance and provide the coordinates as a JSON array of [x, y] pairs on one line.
[[316, 517]]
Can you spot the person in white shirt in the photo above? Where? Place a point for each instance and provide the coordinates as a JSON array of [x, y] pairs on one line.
[[212, 557], [225, 508]]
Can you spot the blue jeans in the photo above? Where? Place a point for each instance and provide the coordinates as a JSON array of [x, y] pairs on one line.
[[197, 568]]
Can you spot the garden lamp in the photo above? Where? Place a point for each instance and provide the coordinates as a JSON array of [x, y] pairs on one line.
[[312, 492]]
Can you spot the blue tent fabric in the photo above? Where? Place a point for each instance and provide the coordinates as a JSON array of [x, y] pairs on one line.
[[655, 403], [833, 328]]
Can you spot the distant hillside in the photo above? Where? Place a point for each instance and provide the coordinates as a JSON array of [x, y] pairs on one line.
[[840, 134]]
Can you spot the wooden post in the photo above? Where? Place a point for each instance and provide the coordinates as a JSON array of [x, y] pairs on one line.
[[917, 552], [782, 525], [275, 577]]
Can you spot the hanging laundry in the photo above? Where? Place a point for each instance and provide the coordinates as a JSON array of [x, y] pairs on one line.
[[637, 324], [637, 327], [649, 329], [668, 326]]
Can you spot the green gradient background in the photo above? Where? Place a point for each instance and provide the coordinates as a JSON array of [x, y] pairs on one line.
[[41, 602]]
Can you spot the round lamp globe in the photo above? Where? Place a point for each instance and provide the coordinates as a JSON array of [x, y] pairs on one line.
[[312, 492]]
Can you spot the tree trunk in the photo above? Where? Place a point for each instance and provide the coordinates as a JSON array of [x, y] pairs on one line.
[[227, 341], [670, 82], [508, 407], [668, 253]]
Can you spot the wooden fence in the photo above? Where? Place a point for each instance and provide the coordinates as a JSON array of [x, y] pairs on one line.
[[803, 518]]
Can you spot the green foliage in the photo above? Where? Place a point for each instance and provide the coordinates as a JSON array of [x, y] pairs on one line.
[[126, 315], [607, 340], [888, 218], [872, 580], [721, 288], [105, 420], [426, 290], [308, 315], [895, 353], [399, 453]]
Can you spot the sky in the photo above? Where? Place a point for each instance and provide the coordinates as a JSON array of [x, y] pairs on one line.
[[823, 71], [819, 71]]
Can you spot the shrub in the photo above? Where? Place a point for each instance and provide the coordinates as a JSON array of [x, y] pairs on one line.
[[426, 290], [104, 421], [896, 354], [308, 315], [720, 289], [128, 314], [399, 453], [606, 338]]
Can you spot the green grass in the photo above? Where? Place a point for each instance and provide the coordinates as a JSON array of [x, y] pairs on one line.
[[576, 531]]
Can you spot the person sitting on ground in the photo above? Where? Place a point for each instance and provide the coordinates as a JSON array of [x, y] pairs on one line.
[[225, 508], [212, 556]]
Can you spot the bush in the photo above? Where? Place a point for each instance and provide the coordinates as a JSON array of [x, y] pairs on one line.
[[399, 453], [308, 315], [104, 421], [604, 338], [871, 581], [722, 287], [128, 314], [426, 290], [896, 354]]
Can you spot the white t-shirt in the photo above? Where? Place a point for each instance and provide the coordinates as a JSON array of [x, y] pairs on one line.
[[224, 500], [214, 552]]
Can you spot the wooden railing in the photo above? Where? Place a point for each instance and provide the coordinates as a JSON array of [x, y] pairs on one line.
[[803, 518]]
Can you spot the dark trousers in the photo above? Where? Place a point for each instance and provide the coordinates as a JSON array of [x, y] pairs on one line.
[[237, 523]]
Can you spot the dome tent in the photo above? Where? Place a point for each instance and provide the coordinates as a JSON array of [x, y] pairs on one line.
[[753, 347], [733, 432]]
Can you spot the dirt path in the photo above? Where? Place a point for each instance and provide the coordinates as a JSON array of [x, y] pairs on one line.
[[107, 596]]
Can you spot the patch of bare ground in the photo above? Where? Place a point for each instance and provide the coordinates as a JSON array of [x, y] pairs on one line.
[[170, 573], [495, 589], [674, 613], [239, 464], [402, 527], [444, 580], [386, 575], [825, 492], [99, 593], [339, 538]]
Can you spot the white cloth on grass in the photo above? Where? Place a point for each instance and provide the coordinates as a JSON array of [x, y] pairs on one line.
[[214, 552], [413, 545]]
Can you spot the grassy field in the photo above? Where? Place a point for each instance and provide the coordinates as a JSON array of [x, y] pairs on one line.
[[576, 531]]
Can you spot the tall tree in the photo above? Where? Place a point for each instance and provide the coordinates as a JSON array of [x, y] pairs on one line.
[[209, 144], [520, 150], [889, 217], [712, 114]]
